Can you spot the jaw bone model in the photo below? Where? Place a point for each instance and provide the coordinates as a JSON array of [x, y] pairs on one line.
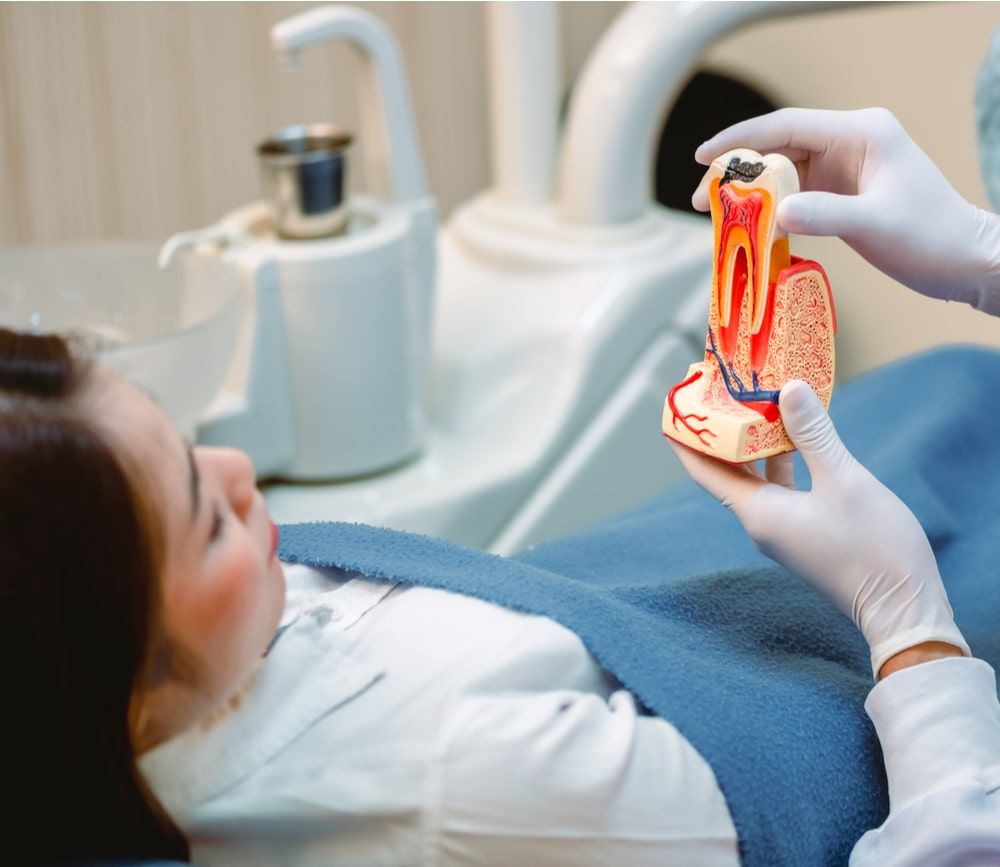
[[770, 319]]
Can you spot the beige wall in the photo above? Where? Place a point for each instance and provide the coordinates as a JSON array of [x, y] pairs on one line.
[[138, 120]]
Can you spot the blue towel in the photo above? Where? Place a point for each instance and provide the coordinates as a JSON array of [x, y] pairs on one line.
[[760, 673]]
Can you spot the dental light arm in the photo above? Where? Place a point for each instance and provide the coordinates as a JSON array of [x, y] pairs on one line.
[[849, 536], [865, 180], [618, 102]]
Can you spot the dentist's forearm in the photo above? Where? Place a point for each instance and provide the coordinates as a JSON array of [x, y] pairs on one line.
[[939, 726], [986, 296], [919, 653]]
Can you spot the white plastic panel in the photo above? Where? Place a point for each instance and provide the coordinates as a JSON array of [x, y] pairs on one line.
[[618, 461]]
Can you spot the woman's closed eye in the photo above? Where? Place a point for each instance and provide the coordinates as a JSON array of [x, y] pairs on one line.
[[218, 522]]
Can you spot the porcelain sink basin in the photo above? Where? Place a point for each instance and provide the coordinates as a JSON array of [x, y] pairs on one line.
[[173, 332]]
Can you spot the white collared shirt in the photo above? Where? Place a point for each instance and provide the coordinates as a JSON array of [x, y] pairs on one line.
[[396, 725]]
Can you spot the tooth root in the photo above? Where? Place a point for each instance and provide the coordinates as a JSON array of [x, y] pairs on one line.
[[745, 225]]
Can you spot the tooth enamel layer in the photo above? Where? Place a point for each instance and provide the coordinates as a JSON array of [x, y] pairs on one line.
[[750, 247]]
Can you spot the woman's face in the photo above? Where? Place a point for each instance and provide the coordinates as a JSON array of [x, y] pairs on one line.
[[223, 589]]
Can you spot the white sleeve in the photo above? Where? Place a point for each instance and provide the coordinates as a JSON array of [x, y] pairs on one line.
[[939, 725], [569, 778]]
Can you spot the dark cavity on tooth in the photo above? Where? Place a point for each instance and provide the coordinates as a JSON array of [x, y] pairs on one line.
[[741, 171]]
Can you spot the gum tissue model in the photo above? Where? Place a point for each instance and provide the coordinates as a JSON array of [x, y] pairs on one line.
[[770, 319]]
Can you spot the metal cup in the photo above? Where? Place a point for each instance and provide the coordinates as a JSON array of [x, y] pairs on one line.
[[303, 171]]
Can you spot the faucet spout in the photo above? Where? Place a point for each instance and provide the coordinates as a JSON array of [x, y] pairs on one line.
[[387, 128], [181, 241], [289, 59]]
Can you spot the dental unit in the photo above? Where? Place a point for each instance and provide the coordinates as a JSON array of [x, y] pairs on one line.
[[771, 319], [565, 299], [497, 380]]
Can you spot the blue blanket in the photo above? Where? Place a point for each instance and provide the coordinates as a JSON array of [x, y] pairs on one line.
[[761, 674]]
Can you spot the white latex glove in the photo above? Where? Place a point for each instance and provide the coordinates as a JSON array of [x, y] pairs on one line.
[[865, 180], [850, 536]]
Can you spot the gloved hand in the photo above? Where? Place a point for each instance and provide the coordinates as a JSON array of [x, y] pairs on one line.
[[849, 536], [865, 180]]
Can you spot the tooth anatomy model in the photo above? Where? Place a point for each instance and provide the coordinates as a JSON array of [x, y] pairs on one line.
[[770, 319]]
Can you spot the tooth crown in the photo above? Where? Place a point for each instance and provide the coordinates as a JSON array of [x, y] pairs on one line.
[[771, 318], [751, 249]]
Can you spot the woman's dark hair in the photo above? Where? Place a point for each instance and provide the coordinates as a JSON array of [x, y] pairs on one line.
[[80, 558]]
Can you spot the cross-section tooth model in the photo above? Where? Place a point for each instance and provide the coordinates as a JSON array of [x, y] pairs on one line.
[[770, 319]]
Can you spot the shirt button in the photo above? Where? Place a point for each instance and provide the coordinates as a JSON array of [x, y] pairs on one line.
[[324, 614]]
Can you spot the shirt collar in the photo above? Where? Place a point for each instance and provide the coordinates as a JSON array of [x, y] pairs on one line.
[[273, 709]]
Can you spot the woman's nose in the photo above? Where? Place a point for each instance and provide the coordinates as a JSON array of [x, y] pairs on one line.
[[243, 482], [238, 477]]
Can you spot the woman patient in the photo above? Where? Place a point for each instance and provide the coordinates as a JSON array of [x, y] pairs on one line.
[[167, 695]]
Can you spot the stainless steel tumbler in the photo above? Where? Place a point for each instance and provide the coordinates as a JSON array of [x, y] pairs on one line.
[[304, 175]]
